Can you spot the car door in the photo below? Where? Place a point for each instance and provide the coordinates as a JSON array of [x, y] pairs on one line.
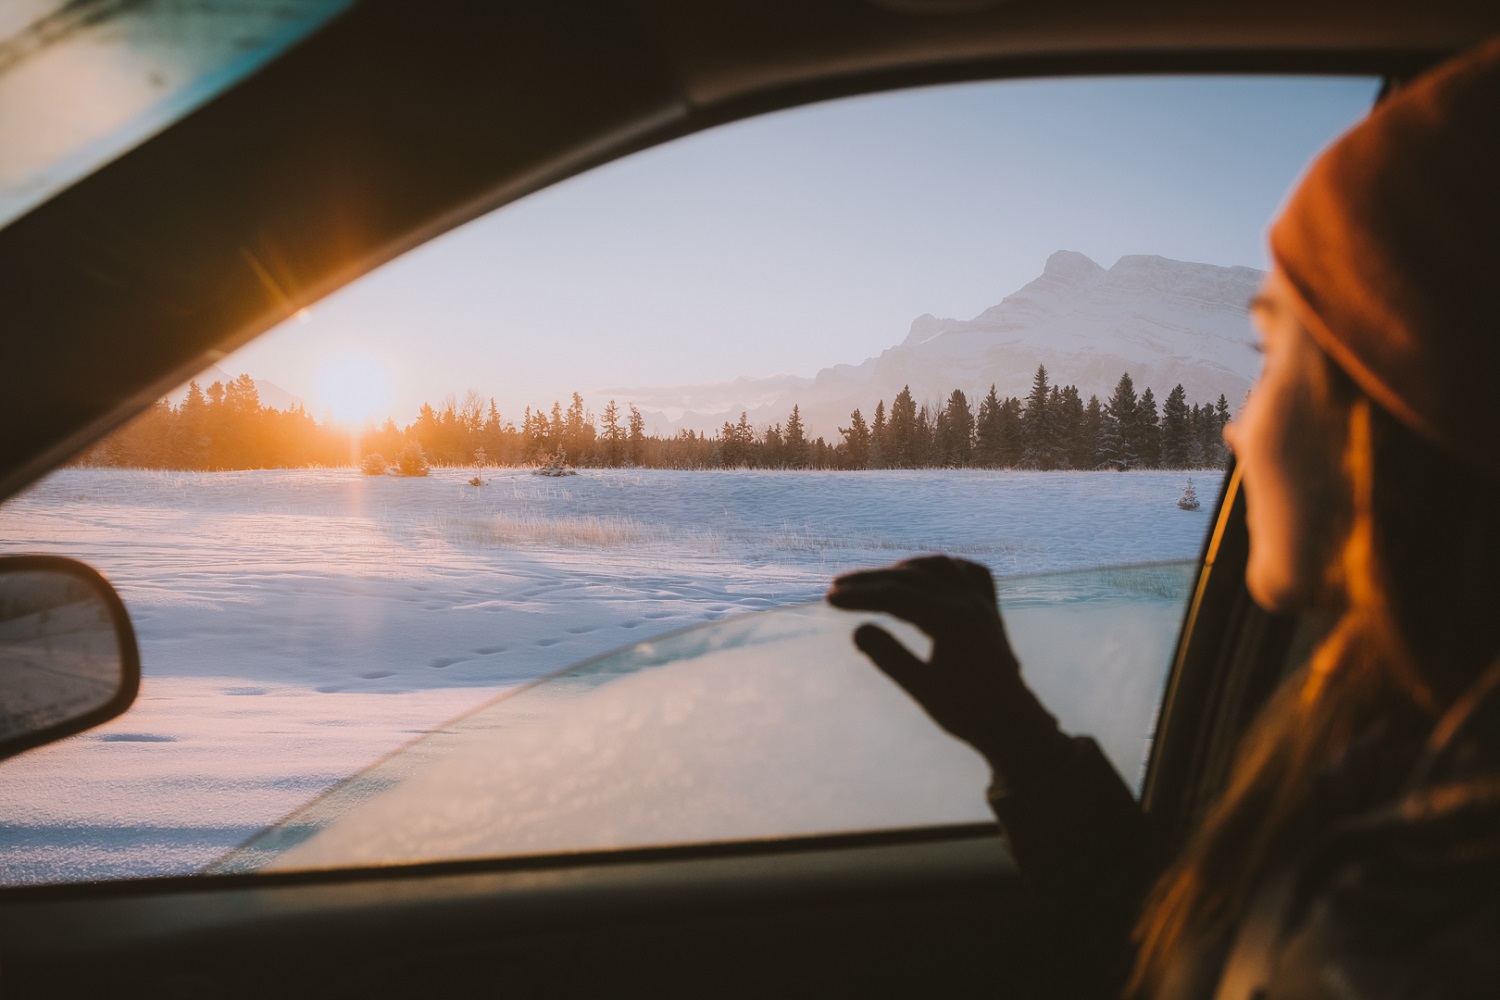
[[934, 906], [917, 906]]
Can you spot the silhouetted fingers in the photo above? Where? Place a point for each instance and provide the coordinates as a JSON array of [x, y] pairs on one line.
[[943, 572], [902, 598], [935, 573], [894, 660], [897, 574], [962, 574], [945, 567], [979, 577], [933, 567]]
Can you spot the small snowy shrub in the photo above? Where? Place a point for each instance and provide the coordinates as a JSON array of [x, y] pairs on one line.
[[373, 465], [555, 465], [411, 461]]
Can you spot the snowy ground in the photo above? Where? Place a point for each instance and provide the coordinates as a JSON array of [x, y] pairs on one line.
[[297, 625]]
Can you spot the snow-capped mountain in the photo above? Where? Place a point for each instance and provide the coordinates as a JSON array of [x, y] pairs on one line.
[[1164, 321]]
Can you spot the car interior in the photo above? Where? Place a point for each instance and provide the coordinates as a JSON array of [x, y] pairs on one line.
[[393, 123]]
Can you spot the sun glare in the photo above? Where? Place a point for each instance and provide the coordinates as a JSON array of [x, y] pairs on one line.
[[354, 389]]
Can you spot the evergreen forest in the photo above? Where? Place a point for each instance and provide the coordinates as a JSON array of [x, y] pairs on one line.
[[1053, 427]]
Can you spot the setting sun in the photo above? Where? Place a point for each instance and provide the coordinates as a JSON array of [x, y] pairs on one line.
[[354, 388]]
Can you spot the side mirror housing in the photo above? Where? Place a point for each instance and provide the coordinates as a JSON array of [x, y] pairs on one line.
[[68, 655]]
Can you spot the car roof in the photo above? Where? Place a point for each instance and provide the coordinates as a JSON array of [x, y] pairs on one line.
[[398, 121]]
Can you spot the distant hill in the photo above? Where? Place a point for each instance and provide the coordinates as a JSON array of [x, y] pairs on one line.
[[1164, 321]]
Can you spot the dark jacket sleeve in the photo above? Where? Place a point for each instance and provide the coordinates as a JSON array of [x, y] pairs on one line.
[[1085, 848]]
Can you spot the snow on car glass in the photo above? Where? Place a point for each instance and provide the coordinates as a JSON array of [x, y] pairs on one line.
[[515, 546]]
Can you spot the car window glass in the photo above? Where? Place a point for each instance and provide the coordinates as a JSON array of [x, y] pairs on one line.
[[764, 726], [1003, 321], [82, 83]]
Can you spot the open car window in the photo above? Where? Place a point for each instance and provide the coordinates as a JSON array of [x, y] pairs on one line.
[[1003, 321], [765, 726]]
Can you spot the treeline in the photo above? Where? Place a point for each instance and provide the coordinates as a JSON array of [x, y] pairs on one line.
[[1053, 427], [223, 427]]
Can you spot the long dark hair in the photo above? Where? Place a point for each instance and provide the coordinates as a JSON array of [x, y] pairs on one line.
[[1415, 587]]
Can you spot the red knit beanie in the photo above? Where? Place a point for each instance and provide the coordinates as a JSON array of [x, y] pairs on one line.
[[1391, 246]]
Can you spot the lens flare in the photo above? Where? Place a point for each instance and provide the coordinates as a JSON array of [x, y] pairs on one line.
[[354, 388]]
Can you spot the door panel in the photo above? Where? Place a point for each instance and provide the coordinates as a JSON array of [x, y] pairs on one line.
[[801, 919]]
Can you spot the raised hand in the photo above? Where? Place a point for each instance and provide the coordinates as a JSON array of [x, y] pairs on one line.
[[971, 685]]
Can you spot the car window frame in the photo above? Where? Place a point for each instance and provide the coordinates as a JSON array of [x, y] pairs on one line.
[[670, 123], [140, 929]]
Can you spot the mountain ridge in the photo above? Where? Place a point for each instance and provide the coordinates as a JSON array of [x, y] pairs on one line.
[[1164, 321]]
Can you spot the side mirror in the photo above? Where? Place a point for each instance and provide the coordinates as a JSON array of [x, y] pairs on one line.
[[68, 657]]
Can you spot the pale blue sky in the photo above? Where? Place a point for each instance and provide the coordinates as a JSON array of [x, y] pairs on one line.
[[811, 237]]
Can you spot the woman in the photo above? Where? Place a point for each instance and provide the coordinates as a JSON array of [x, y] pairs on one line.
[[1356, 851]]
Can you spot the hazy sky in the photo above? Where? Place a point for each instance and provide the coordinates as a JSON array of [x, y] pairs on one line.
[[809, 237]]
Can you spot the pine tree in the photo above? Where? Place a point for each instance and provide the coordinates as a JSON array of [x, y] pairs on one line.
[[1086, 453], [1011, 432], [1208, 435], [1197, 459], [900, 430], [614, 435], [578, 430], [796, 441], [878, 449], [411, 461], [1052, 437], [191, 443], [1215, 418], [1119, 437], [735, 440], [744, 437], [1038, 447], [493, 435], [449, 448], [856, 441], [822, 454], [956, 431], [988, 446], [1072, 450], [728, 450], [557, 427], [1111, 445], [1148, 431], [242, 395], [637, 436], [241, 424], [923, 438], [1175, 430], [773, 448]]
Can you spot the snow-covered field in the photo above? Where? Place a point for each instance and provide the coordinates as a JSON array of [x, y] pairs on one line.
[[295, 626]]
